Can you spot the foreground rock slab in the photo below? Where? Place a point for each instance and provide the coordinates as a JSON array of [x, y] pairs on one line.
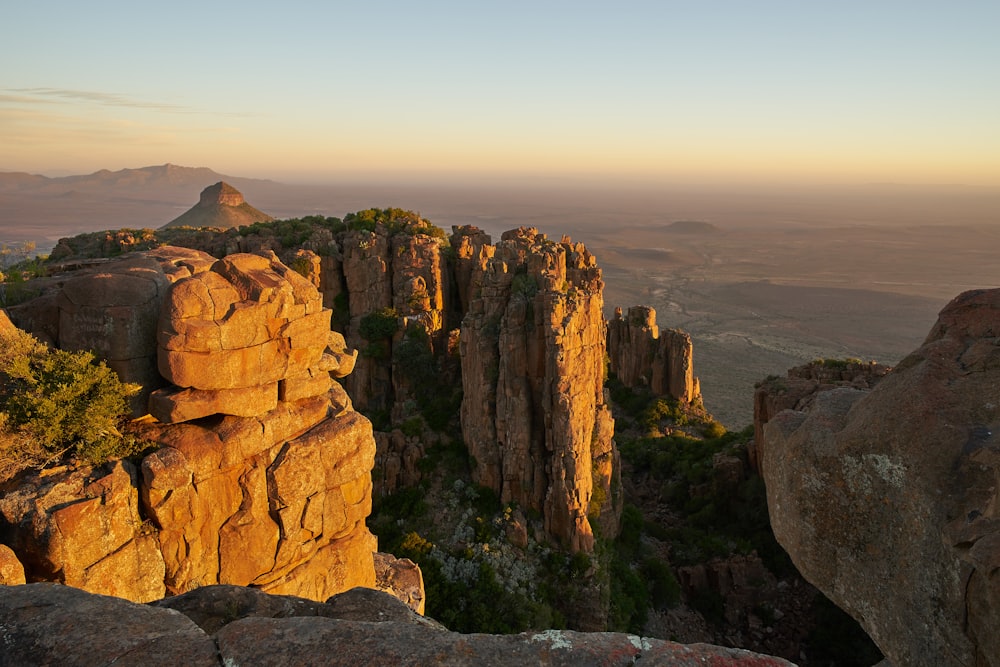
[[887, 500], [52, 624]]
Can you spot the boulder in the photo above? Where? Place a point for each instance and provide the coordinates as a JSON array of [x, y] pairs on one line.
[[49, 624], [401, 578], [82, 527], [886, 499], [11, 570]]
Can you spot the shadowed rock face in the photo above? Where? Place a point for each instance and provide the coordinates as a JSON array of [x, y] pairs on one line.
[[534, 414], [887, 499], [222, 625]]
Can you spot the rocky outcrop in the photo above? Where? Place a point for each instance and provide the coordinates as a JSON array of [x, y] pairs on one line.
[[534, 415], [217, 626], [401, 578], [798, 389], [84, 528], [11, 569], [643, 356], [261, 469], [113, 309], [220, 206], [886, 499]]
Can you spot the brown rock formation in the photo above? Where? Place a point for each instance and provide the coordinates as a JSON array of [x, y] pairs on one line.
[[401, 578], [221, 206], [84, 528], [262, 475], [887, 499], [11, 570], [798, 390], [113, 309], [534, 415], [643, 356], [228, 626]]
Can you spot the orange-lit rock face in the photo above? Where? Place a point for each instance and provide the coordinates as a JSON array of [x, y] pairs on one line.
[[262, 475], [534, 415]]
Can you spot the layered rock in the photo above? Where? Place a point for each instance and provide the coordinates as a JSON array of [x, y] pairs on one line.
[[534, 415], [643, 356], [113, 309], [261, 473], [216, 626], [84, 528], [886, 499]]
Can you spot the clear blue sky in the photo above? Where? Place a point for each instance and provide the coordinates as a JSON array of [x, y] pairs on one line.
[[692, 91]]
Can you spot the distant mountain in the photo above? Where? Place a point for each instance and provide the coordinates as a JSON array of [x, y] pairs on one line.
[[166, 177], [44, 209], [221, 206]]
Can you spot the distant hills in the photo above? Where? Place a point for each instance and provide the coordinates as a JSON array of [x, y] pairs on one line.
[[43, 209], [161, 177]]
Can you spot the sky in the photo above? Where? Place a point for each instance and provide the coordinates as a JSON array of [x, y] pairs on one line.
[[666, 91]]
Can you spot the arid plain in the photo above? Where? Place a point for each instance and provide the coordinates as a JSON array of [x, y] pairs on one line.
[[767, 279]]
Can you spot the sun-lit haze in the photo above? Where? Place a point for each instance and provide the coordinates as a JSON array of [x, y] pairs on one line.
[[647, 92]]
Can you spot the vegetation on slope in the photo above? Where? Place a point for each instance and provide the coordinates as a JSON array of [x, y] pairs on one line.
[[56, 402]]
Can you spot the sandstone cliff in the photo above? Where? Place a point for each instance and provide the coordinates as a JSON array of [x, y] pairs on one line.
[[534, 413], [643, 356], [886, 499], [260, 472]]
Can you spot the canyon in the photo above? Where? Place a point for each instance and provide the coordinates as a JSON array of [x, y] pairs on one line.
[[257, 360]]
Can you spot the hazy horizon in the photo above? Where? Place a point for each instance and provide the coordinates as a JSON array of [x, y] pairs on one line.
[[655, 92]]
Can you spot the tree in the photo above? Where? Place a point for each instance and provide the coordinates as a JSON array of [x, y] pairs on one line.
[[62, 400]]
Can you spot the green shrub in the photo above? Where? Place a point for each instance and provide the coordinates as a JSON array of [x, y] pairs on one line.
[[379, 324], [63, 400]]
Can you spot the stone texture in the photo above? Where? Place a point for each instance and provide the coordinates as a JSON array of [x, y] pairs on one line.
[[49, 624], [798, 389], [534, 414], [171, 405], [249, 321], [643, 356], [113, 310], [223, 625], [261, 475], [83, 528], [886, 499], [286, 641], [401, 578], [11, 570]]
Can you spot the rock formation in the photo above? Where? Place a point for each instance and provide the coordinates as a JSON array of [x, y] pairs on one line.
[[223, 625], [260, 473], [643, 356], [798, 389], [534, 413], [221, 206], [886, 499]]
